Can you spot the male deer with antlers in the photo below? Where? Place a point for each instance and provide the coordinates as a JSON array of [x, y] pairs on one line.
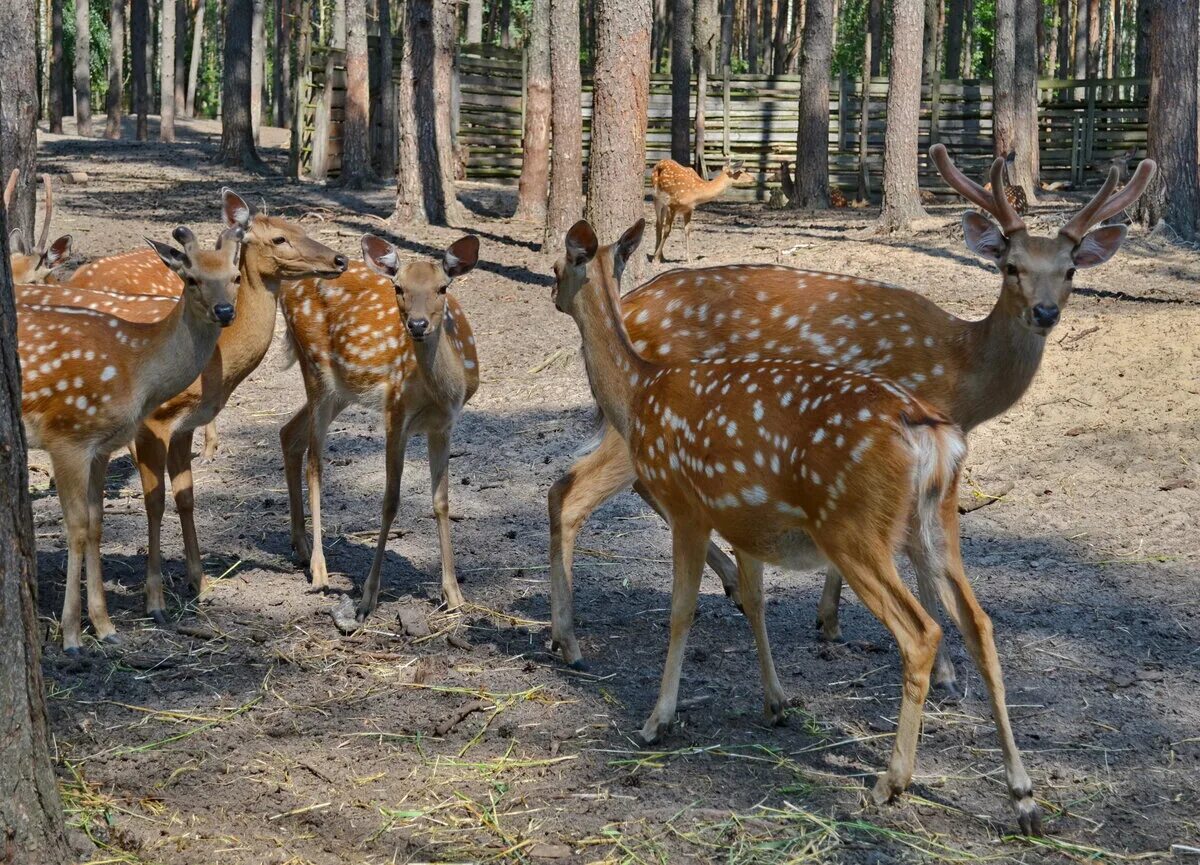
[[91, 379], [35, 264], [969, 370], [794, 462], [678, 190], [387, 336], [273, 250]]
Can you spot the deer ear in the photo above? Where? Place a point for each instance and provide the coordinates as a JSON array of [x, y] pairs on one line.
[[630, 241], [171, 257], [983, 237], [236, 210], [58, 252], [581, 243], [380, 255], [16, 241], [1099, 246], [461, 256]]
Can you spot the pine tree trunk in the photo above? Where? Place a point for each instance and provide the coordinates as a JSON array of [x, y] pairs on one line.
[[410, 207], [1141, 50], [18, 115], [237, 135], [57, 67], [779, 48], [181, 43], [474, 22], [282, 70], [812, 138], [968, 61], [197, 53], [166, 85], [1003, 77], [681, 80], [875, 25], [356, 149], [726, 54], [1093, 46], [954, 39], [139, 50], [1026, 167], [864, 124], [258, 50], [901, 197], [1064, 39], [751, 24], [506, 24], [445, 89], [659, 37], [931, 38], [616, 166], [116, 69], [535, 144], [765, 33], [1081, 38], [83, 63], [1174, 193], [705, 36], [385, 150], [566, 154]]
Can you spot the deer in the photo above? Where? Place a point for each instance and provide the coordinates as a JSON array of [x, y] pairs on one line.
[[794, 462], [35, 264], [91, 379], [273, 250], [679, 190], [1015, 194], [389, 336], [971, 371]]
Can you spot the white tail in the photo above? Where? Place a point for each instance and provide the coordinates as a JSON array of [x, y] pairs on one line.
[[678, 190], [35, 264]]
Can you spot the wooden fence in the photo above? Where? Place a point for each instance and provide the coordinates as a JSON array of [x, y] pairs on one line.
[[754, 118]]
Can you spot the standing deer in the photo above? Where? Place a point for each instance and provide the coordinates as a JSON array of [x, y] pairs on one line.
[[391, 337], [794, 462], [274, 250], [35, 264], [91, 379], [969, 370], [678, 190]]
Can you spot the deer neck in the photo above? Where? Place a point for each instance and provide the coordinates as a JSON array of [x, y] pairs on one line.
[[184, 342], [440, 369], [247, 339], [1004, 357], [713, 188]]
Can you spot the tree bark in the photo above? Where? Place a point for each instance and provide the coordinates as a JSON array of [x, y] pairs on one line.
[[779, 55], [875, 26], [1141, 50], [166, 85], [566, 155], [864, 124], [681, 80], [1064, 39], [83, 71], [1174, 193], [1093, 46], [197, 52], [474, 22], [968, 62], [356, 151], [659, 37], [751, 25], [1081, 39], [1026, 167], [410, 207], [535, 144], [57, 67], [444, 84], [237, 135], [18, 116], [182, 15], [812, 138], [932, 38], [726, 33], [901, 196], [385, 149], [705, 36], [139, 50], [258, 51], [1004, 60], [616, 166], [767, 7], [282, 70], [954, 39], [116, 69]]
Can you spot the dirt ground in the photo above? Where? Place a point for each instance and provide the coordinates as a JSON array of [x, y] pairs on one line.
[[255, 733]]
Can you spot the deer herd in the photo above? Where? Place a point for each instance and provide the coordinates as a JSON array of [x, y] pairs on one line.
[[809, 419]]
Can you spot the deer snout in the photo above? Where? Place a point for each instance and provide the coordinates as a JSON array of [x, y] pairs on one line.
[[340, 262], [224, 313], [418, 327], [1045, 315]]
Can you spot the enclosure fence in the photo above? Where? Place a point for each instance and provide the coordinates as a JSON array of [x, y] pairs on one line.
[[1082, 124]]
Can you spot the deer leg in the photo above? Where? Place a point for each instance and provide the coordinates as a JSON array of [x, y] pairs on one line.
[[827, 608], [323, 414], [150, 454], [591, 481], [439, 477], [179, 466], [668, 224], [687, 235], [72, 472], [688, 542], [96, 600], [294, 440], [775, 702], [212, 440], [396, 441]]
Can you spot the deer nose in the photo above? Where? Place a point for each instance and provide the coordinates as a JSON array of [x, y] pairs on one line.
[[418, 326], [340, 262], [1045, 315], [224, 313]]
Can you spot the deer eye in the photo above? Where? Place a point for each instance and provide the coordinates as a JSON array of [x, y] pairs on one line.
[[1011, 269], [1070, 273], [279, 241], [237, 280]]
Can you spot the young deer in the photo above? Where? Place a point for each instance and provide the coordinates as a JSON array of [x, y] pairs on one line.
[[1015, 195], [274, 250], [388, 336], [969, 370], [678, 190], [90, 380], [794, 462], [36, 264]]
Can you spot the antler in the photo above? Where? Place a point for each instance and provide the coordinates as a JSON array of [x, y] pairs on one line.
[[45, 235], [994, 203], [11, 186], [1104, 204]]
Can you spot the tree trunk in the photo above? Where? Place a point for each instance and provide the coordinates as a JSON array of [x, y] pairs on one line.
[[705, 35], [57, 67], [681, 80], [968, 62], [237, 135], [1003, 77], [83, 63], [659, 37], [18, 117], [282, 70], [385, 148], [410, 207], [116, 69], [864, 124], [779, 48], [726, 33], [356, 149], [304, 26], [194, 67], [1064, 39], [1093, 46], [535, 145], [901, 197], [139, 50], [474, 22], [1081, 38], [1174, 193], [616, 167], [1026, 167], [166, 85], [932, 37], [445, 90], [751, 24], [258, 50], [1141, 50], [566, 154], [812, 138], [954, 39], [506, 24], [875, 26], [767, 8], [181, 43]]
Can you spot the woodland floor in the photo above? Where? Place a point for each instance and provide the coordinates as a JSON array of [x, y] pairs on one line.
[[255, 733]]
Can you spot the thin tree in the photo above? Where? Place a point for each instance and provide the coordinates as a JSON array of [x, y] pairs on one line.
[[901, 196], [1064, 39], [139, 50], [1004, 58], [681, 80], [237, 136], [566, 155], [18, 112], [1093, 34], [1026, 166], [705, 41], [194, 66], [83, 67], [750, 26], [932, 38], [954, 38], [258, 60], [875, 28], [57, 67], [1174, 194], [281, 89], [779, 52], [658, 39], [535, 143], [474, 22], [1081, 39], [410, 206], [616, 166], [812, 137], [445, 33], [385, 143], [181, 42], [116, 69], [166, 66], [356, 149]]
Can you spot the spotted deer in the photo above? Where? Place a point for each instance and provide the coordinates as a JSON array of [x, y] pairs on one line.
[[35, 264], [678, 190], [389, 336], [274, 250], [969, 370], [90, 379], [1014, 194], [795, 462]]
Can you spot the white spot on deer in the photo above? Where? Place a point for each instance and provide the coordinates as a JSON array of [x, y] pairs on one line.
[[758, 410], [108, 373], [664, 348], [938, 369], [755, 495]]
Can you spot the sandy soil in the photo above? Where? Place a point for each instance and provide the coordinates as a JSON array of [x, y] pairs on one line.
[[256, 734]]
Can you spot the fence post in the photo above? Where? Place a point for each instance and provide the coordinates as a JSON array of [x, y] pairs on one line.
[[319, 169], [524, 85], [725, 118], [1089, 133], [935, 102], [303, 92], [843, 110], [1076, 152]]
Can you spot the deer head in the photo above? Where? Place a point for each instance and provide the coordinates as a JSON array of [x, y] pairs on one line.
[[278, 248], [34, 264], [1037, 272], [210, 277], [421, 285], [580, 265]]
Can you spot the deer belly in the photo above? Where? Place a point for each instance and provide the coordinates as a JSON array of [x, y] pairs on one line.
[[789, 548]]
